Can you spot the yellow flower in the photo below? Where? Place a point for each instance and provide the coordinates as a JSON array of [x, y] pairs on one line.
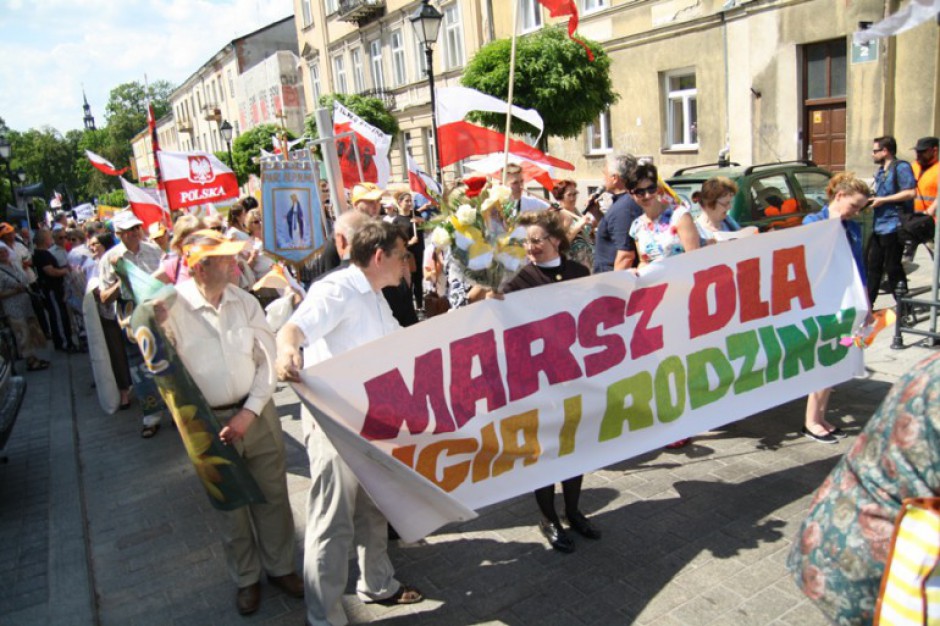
[[197, 441]]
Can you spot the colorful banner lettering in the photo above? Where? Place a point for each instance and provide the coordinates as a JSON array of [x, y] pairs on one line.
[[503, 397]]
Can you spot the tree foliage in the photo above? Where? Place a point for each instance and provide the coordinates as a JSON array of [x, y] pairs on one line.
[[370, 109], [553, 76], [115, 198], [126, 115], [247, 147]]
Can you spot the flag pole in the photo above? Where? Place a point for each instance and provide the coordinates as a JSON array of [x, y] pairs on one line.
[[155, 147], [512, 78]]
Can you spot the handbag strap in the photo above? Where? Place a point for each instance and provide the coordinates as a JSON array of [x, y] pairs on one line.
[[13, 276]]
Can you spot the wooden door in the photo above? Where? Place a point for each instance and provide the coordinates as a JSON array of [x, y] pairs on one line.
[[826, 140]]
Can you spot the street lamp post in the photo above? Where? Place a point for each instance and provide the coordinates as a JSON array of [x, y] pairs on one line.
[[426, 21], [21, 176], [225, 129]]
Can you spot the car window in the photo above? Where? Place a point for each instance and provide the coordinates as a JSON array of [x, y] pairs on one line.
[[813, 185], [685, 190], [771, 198]]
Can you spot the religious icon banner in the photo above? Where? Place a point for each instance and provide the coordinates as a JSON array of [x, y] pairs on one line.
[[294, 223]]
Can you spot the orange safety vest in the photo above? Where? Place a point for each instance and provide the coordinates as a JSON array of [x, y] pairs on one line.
[[926, 185]]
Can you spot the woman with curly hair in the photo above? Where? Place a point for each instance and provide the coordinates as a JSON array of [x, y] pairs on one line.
[[546, 243]]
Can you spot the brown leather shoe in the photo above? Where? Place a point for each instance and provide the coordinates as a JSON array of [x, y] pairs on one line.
[[248, 599], [291, 584]]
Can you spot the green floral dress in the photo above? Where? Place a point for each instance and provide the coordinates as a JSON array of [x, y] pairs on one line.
[[839, 555]]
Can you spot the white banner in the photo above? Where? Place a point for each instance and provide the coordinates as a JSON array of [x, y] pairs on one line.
[[502, 397]]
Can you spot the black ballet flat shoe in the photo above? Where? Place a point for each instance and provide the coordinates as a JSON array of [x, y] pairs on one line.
[[827, 438], [556, 536], [583, 526]]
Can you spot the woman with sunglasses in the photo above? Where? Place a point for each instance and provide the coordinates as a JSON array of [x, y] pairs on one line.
[[665, 228], [259, 262], [546, 246], [110, 327]]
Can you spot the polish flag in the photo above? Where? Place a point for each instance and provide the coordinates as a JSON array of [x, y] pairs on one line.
[[146, 205], [422, 182], [559, 8], [103, 165], [538, 171], [459, 139], [192, 178]]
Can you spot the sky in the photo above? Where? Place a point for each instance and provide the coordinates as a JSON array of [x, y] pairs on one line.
[[51, 49]]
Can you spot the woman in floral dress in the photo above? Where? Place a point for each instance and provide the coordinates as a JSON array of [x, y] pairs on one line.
[[839, 555], [665, 228]]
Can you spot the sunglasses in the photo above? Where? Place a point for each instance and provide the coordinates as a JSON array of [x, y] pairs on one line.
[[217, 228], [645, 191]]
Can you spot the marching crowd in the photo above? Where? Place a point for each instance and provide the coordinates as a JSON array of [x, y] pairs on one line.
[[378, 273]]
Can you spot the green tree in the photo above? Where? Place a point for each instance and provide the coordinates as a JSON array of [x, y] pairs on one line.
[[126, 115], [115, 198], [370, 109], [247, 148], [553, 76], [48, 158]]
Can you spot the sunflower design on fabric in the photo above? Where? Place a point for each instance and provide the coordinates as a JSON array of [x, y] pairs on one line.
[[197, 441]]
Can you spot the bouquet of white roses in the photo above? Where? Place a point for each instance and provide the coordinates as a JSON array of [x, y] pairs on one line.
[[482, 235]]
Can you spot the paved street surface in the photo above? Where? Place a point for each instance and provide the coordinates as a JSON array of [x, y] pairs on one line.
[[99, 526]]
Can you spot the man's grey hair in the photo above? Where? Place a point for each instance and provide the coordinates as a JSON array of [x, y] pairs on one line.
[[621, 164], [349, 223]]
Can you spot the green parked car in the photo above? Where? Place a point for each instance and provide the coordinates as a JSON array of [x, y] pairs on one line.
[[770, 196]]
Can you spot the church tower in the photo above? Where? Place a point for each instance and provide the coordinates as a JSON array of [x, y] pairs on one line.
[[89, 118]]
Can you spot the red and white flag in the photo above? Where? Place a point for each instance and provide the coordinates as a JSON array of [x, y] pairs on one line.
[[146, 204], [103, 165], [531, 170], [192, 178], [460, 139], [422, 182], [559, 8], [372, 144]]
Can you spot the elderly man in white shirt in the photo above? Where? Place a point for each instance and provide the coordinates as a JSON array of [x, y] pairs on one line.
[[342, 311], [224, 341], [145, 255]]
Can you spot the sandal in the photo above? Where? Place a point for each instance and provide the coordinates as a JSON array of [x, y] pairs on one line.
[[35, 365], [404, 595], [149, 431]]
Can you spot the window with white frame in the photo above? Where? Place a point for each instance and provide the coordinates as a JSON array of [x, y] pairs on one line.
[[378, 75], [453, 37], [359, 76], [397, 43], [339, 74], [530, 15], [599, 136], [306, 12], [681, 99], [332, 6], [315, 85], [231, 83], [421, 58], [592, 5]]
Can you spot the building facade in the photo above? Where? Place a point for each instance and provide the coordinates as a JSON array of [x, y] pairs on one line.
[[756, 80], [213, 94]]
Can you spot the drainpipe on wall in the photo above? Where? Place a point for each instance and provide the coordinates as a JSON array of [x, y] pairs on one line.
[[491, 28], [889, 74], [724, 153]]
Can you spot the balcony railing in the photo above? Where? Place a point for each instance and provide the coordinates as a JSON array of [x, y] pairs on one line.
[[386, 96], [360, 10], [184, 125]]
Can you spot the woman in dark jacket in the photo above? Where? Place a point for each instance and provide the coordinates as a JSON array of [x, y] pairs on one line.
[[546, 244]]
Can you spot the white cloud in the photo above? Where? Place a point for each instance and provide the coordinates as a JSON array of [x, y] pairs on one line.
[[52, 47]]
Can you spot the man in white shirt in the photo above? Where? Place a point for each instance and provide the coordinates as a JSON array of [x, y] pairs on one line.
[[224, 341], [342, 311], [144, 255], [516, 183]]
